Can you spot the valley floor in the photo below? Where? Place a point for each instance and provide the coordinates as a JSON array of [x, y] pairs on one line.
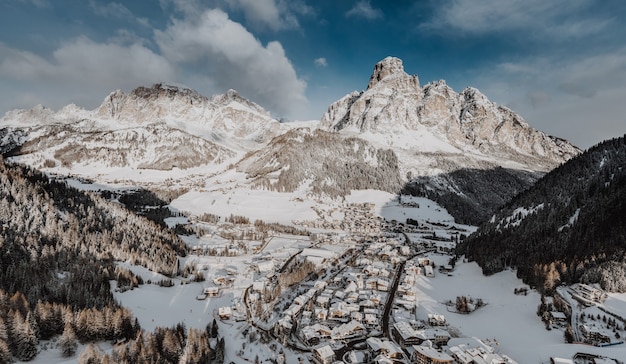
[[508, 322]]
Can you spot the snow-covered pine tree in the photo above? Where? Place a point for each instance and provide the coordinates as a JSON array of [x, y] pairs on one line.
[[68, 341]]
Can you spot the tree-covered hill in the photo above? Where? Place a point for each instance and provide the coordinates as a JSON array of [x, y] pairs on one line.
[[58, 246], [570, 226]]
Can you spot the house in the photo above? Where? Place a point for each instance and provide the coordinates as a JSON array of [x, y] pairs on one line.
[[436, 336], [322, 300], [594, 336], [384, 347], [225, 312], [348, 330], [211, 291], [265, 266], [426, 354], [435, 319], [590, 293], [557, 317], [321, 314], [405, 334], [323, 355], [475, 351], [428, 271]]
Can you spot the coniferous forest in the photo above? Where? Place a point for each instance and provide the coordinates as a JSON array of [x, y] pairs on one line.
[[58, 247], [569, 227]]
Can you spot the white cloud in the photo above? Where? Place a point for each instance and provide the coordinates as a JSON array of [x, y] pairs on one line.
[[363, 9], [536, 18], [80, 70], [575, 98], [232, 57], [115, 10], [321, 62], [264, 13]]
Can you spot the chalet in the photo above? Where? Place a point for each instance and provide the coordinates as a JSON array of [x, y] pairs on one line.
[[322, 301], [225, 312], [423, 262], [590, 293], [428, 271], [405, 334], [384, 347], [321, 314], [320, 285], [477, 352], [265, 266], [323, 355], [293, 310], [211, 291], [352, 297], [435, 319], [370, 319], [348, 330], [558, 317], [594, 336], [428, 355], [436, 336]]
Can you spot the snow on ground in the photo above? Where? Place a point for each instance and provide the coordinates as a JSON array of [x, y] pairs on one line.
[[269, 206], [387, 206], [616, 303], [155, 306], [510, 319]]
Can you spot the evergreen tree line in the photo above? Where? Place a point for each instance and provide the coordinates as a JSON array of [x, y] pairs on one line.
[[577, 231], [472, 195], [22, 326], [164, 345]]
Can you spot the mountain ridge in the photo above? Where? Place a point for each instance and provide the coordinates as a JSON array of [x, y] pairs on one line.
[[431, 131]]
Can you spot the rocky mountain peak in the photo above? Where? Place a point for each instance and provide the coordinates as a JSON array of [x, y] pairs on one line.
[[396, 112], [387, 67]]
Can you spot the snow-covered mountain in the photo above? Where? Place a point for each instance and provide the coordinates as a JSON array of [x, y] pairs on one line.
[[227, 117], [158, 127], [397, 112]]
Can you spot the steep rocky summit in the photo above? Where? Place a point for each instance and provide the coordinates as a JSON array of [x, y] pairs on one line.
[[397, 111]]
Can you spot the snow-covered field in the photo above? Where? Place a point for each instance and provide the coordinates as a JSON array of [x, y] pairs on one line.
[[508, 318]]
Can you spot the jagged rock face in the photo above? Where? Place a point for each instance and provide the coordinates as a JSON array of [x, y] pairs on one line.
[[396, 111]]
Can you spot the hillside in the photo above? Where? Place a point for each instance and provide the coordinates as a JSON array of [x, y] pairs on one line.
[[570, 226], [329, 164]]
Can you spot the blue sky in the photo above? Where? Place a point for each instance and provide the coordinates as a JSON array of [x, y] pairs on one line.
[[560, 64]]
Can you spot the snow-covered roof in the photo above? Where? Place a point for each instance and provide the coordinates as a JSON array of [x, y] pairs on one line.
[[325, 352], [429, 352]]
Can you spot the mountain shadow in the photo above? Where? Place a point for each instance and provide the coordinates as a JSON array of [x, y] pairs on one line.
[[472, 196]]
